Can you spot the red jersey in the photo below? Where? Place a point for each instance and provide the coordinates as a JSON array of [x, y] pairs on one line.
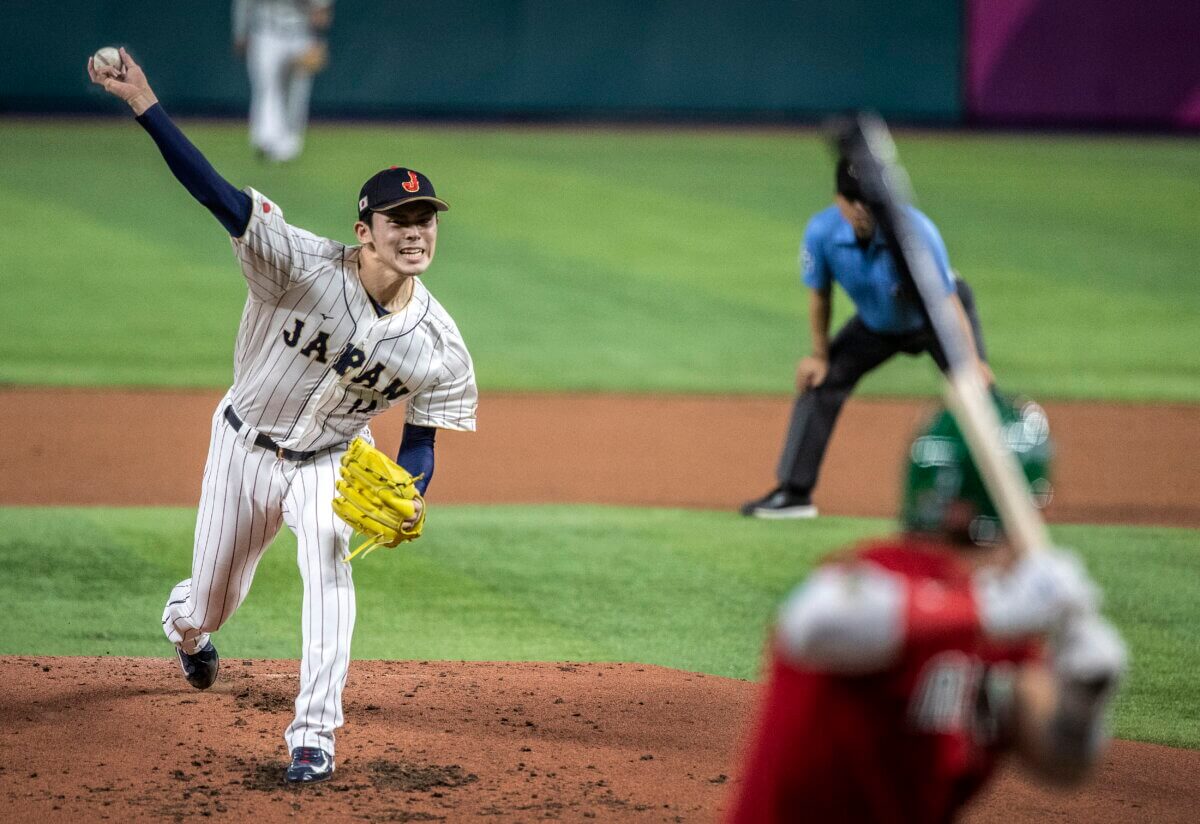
[[901, 743]]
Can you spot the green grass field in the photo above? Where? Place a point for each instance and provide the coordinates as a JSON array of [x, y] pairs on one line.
[[591, 259], [677, 588], [608, 259]]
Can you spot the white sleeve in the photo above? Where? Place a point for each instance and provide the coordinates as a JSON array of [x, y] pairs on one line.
[[845, 620], [450, 401], [275, 255]]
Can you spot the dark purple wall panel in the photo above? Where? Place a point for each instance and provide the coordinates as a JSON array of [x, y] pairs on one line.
[[1068, 62]]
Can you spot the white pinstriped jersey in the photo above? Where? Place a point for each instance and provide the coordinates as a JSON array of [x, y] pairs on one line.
[[314, 361]]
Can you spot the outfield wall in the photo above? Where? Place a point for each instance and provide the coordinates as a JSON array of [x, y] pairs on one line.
[[1022, 62], [1066, 62], [710, 58]]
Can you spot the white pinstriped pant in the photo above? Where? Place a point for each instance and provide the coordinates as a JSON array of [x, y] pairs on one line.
[[247, 494], [279, 92]]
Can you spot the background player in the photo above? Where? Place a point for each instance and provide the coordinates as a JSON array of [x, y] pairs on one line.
[[902, 668], [843, 243], [284, 45], [330, 336]]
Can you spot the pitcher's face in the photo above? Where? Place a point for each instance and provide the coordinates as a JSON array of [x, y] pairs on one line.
[[403, 238]]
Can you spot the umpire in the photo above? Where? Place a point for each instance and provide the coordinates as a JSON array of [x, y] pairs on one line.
[[844, 243]]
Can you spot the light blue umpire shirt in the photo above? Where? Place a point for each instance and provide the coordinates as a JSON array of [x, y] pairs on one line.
[[868, 274]]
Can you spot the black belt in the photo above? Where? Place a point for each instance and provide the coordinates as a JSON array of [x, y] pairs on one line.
[[265, 442]]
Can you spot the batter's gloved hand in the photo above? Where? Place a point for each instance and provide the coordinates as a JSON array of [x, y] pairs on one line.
[[379, 498], [1089, 660], [1089, 656], [1037, 597]]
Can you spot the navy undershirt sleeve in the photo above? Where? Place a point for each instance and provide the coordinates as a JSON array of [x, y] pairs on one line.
[[228, 205], [416, 453]]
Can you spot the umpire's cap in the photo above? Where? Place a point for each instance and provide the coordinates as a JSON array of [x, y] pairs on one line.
[[394, 187]]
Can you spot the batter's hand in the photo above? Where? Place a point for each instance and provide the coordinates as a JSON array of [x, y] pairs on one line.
[[1090, 655], [133, 88], [811, 372], [1041, 594]]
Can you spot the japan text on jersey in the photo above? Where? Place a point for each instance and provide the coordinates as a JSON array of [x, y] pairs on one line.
[[314, 360]]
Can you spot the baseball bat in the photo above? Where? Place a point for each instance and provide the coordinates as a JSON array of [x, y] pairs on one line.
[[864, 140]]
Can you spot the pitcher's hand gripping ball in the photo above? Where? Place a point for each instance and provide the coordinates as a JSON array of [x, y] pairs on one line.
[[379, 498], [109, 58]]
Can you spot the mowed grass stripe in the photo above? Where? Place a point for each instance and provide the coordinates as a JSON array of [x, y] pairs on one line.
[[686, 589], [610, 259]]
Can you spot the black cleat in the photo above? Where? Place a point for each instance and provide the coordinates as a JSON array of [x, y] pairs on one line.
[[200, 669], [309, 765], [780, 502]]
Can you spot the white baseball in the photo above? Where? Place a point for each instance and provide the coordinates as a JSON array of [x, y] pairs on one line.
[[108, 56]]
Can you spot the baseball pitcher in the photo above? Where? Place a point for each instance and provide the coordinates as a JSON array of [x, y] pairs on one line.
[[331, 335]]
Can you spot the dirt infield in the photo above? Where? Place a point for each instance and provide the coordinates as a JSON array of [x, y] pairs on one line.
[[124, 739], [1116, 464]]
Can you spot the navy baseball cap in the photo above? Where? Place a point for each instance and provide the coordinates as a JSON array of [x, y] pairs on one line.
[[394, 187]]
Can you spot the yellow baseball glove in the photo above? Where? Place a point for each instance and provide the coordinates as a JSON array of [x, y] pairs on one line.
[[313, 59], [379, 498]]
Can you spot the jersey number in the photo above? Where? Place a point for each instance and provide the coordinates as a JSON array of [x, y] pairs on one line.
[[364, 408]]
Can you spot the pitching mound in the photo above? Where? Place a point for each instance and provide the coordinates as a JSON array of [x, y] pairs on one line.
[[126, 738], [122, 739]]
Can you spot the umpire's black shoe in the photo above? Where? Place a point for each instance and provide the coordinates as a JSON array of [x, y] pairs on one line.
[[200, 669], [781, 502], [310, 765]]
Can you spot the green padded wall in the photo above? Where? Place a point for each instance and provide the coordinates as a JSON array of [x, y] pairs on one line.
[[697, 58]]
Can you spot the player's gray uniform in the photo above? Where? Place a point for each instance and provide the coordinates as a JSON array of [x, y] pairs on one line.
[[313, 363], [276, 32]]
